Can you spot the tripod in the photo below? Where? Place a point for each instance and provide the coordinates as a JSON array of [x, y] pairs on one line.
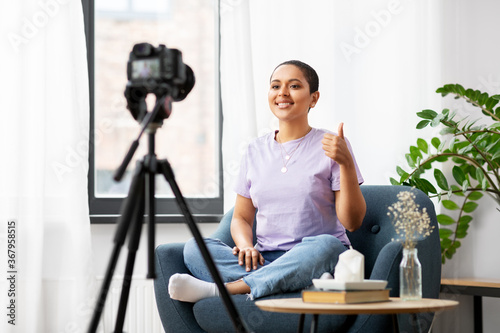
[[141, 197]]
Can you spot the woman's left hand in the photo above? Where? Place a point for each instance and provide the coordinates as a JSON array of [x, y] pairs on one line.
[[249, 256], [335, 147]]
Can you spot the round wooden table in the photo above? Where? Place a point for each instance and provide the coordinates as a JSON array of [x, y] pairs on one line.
[[394, 306]]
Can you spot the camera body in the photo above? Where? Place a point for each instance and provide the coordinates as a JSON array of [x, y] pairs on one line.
[[158, 70], [148, 65]]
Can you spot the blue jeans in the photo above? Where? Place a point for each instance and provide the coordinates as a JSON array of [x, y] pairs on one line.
[[283, 271]]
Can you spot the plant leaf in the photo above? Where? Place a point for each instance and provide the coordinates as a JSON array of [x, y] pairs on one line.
[[450, 205], [458, 160], [484, 184], [483, 98], [475, 95], [446, 242], [458, 174], [401, 172], [475, 196], [460, 90], [423, 124], [422, 145], [491, 102], [468, 148], [445, 233], [435, 142], [479, 175], [441, 146], [469, 207], [461, 231], [496, 155], [447, 130], [492, 147], [452, 144], [425, 185], [445, 220], [465, 219], [465, 185], [394, 181], [469, 93], [427, 114], [441, 179], [437, 120], [415, 152], [410, 160]]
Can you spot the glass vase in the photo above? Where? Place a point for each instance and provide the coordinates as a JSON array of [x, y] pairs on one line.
[[410, 276]]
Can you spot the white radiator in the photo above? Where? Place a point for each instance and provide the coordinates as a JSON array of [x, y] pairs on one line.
[[142, 315]]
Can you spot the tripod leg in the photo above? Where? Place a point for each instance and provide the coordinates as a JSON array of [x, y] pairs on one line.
[[133, 245], [151, 225], [166, 170], [127, 209], [104, 290]]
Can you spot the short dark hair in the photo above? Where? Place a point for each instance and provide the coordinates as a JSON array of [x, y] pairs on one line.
[[309, 72]]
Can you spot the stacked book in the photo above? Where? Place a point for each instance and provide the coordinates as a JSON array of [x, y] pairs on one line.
[[363, 294]]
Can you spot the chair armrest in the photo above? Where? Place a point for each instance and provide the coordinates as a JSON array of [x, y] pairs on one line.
[[175, 316], [386, 266]]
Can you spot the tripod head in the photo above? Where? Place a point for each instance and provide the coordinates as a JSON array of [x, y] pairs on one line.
[[164, 103]]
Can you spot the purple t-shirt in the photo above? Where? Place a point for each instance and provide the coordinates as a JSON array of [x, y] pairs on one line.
[[295, 204]]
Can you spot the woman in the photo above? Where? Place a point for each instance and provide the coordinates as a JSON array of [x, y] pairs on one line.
[[304, 184]]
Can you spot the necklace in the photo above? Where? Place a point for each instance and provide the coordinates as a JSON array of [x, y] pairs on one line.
[[285, 156]]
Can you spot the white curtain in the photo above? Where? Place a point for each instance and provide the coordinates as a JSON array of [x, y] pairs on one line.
[[43, 169], [377, 60]]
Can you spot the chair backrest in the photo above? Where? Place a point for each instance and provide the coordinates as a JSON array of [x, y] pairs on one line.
[[223, 231], [377, 229]]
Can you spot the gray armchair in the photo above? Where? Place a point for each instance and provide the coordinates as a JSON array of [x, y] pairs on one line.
[[373, 239]]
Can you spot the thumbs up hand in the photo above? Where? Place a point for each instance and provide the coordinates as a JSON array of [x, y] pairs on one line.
[[341, 130], [335, 147]]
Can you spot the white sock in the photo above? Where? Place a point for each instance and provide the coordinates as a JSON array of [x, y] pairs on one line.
[[187, 288]]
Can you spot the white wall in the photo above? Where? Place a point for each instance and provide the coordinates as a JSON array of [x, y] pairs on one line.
[[470, 56]]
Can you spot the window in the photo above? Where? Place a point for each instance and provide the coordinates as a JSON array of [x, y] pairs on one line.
[[190, 138]]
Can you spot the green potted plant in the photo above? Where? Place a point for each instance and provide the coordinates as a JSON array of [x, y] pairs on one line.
[[471, 147]]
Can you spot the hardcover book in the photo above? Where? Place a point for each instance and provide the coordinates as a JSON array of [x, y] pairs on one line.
[[314, 295]]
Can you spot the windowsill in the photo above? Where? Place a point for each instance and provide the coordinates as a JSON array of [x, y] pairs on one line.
[[174, 218]]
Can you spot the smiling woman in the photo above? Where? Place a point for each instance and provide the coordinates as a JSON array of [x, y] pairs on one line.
[[301, 184]]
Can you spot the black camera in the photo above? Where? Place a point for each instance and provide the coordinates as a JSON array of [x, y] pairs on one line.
[[158, 70]]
